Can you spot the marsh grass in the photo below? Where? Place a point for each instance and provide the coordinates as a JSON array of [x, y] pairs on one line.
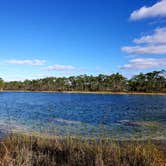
[[25, 150]]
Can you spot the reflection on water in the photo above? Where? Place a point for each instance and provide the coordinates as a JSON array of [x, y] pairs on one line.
[[121, 116]]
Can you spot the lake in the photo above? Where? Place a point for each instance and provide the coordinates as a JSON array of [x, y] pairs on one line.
[[91, 115]]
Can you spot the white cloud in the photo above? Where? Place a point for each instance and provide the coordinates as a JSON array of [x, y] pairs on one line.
[[158, 37], [154, 49], [35, 62], [158, 9], [154, 43], [145, 63], [61, 67], [149, 44]]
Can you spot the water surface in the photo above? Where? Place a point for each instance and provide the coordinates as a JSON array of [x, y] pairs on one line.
[[116, 116]]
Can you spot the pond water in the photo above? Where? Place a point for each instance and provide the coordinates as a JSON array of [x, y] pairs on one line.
[[91, 115]]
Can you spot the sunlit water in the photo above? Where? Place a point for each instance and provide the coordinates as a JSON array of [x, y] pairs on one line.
[[98, 115]]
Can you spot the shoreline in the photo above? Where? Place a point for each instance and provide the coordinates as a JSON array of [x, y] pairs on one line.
[[92, 92]]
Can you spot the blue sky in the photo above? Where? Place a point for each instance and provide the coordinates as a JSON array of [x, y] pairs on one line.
[[40, 38]]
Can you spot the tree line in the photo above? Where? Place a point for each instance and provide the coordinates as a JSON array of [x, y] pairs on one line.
[[150, 82]]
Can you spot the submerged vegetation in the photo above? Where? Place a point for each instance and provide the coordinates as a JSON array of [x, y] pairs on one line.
[[44, 151], [150, 82]]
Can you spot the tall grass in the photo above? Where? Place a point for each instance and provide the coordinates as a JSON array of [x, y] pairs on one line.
[[24, 150]]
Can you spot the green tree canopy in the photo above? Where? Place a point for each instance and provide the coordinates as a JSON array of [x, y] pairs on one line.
[[2, 83]]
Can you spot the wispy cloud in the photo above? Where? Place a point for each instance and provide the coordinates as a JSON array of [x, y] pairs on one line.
[[158, 9], [61, 67], [158, 37], [152, 44], [156, 49], [145, 63], [35, 62]]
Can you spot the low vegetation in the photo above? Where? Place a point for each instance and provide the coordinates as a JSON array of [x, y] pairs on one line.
[[24, 150], [150, 82]]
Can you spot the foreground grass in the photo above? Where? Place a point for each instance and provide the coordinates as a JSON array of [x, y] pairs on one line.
[[23, 150]]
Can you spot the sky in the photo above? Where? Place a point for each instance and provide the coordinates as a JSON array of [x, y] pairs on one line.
[[43, 38]]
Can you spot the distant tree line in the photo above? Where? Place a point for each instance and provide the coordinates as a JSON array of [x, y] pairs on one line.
[[150, 82]]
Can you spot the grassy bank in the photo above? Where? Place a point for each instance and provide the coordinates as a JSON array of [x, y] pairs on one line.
[[93, 92], [109, 92], [19, 150]]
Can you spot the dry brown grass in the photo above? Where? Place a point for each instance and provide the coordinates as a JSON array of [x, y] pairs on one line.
[[23, 150]]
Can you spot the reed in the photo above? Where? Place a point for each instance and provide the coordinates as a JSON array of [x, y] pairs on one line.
[[22, 149]]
